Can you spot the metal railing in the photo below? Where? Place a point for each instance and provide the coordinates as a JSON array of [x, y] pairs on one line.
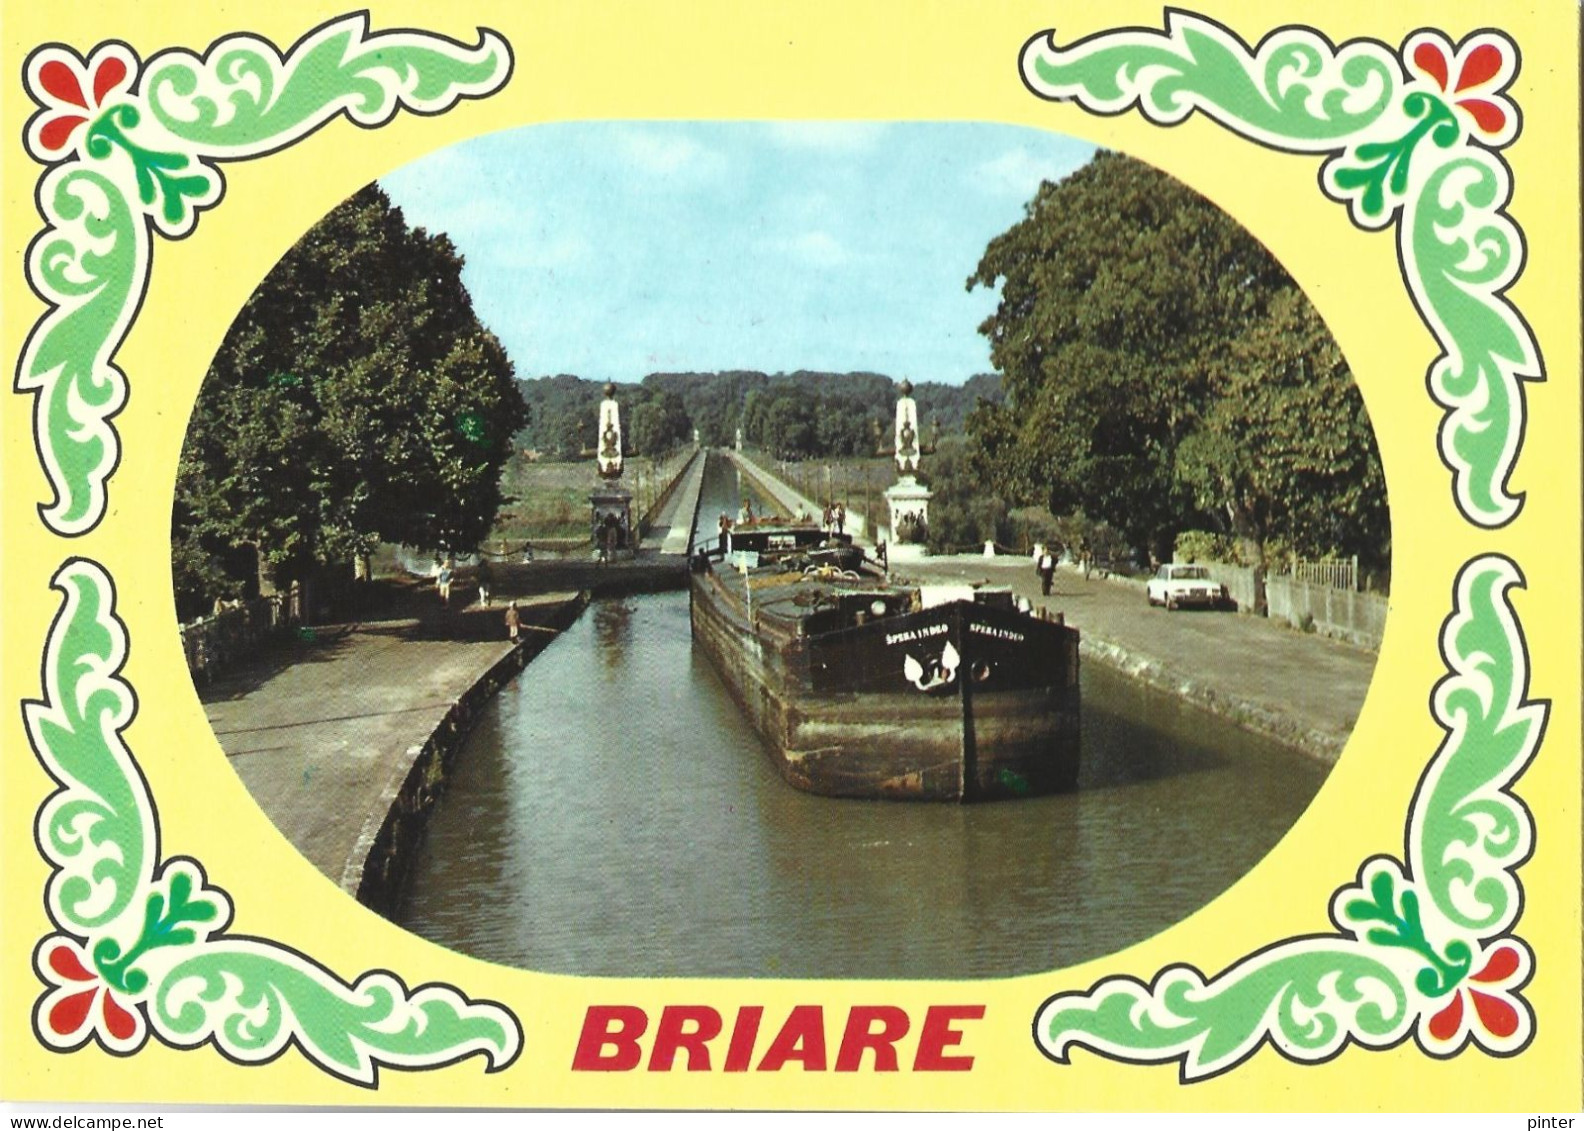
[[1340, 574]]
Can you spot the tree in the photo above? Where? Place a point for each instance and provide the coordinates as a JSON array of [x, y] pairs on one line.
[[1161, 370], [355, 399], [963, 514], [658, 422], [1287, 453]]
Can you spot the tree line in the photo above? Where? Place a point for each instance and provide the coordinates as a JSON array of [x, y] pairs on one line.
[[800, 415], [1163, 373], [356, 399], [1157, 372]]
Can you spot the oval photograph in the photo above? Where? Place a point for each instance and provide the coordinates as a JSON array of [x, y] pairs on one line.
[[795, 550]]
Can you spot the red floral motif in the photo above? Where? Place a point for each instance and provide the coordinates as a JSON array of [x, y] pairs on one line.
[[72, 92], [69, 1014], [1483, 1006], [1474, 75]]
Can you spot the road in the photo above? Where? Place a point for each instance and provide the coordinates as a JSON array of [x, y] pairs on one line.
[[1304, 690]]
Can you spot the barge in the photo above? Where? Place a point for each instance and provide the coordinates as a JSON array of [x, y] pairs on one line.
[[864, 685]]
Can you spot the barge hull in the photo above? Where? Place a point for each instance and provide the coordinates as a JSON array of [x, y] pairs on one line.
[[954, 745]]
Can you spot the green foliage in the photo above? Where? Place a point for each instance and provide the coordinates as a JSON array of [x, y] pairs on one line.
[[355, 399], [963, 516], [657, 422], [1162, 371], [1206, 546], [798, 415], [1031, 525]]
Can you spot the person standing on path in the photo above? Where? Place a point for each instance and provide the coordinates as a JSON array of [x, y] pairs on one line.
[[513, 622], [1047, 568], [485, 576], [443, 582]]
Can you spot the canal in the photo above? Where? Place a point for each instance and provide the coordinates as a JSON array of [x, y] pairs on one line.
[[613, 814]]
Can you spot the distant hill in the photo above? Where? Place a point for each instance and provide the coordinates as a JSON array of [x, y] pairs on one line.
[[804, 413]]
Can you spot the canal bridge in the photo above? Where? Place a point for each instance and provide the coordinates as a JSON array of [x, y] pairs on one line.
[[658, 562]]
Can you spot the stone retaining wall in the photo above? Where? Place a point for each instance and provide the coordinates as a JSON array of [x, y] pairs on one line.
[[1358, 618], [1250, 715], [1242, 583], [378, 867]]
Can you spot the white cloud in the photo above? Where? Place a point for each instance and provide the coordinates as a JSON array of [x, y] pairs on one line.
[[1018, 172], [668, 154], [486, 214], [845, 137], [561, 250], [819, 248], [442, 179]]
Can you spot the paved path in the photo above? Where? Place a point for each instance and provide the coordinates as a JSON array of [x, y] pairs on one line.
[[1302, 689], [318, 728], [673, 525], [790, 500]]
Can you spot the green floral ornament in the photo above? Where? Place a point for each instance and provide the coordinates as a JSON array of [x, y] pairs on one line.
[[1422, 949], [1410, 138], [141, 943], [134, 149]]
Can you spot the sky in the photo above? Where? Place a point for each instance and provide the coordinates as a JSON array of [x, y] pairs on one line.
[[615, 249]]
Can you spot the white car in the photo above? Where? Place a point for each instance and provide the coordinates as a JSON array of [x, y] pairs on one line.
[[1178, 585]]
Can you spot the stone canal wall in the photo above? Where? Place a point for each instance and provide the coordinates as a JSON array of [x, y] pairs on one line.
[[1251, 712], [393, 829]]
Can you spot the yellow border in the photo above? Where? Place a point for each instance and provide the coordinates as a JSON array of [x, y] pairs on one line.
[[882, 61]]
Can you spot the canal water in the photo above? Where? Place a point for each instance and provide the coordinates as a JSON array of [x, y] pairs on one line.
[[613, 814]]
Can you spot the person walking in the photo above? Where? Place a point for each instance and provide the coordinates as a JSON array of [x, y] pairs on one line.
[[513, 622], [1047, 569]]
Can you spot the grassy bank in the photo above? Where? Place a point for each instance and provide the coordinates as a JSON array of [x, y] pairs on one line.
[[549, 502]]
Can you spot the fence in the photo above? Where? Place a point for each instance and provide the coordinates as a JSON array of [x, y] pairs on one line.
[[1359, 618], [783, 485], [1244, 585], [655, 487], [213, 643], [1332, 574]]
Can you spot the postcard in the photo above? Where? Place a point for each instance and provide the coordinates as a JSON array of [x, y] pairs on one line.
[[793, 556]]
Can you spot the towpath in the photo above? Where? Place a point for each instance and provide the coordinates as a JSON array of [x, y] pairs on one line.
[[673, 523], [1303, 690], [319, 728]]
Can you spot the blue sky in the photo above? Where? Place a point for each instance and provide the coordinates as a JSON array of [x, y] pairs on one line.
[[615, 249]]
